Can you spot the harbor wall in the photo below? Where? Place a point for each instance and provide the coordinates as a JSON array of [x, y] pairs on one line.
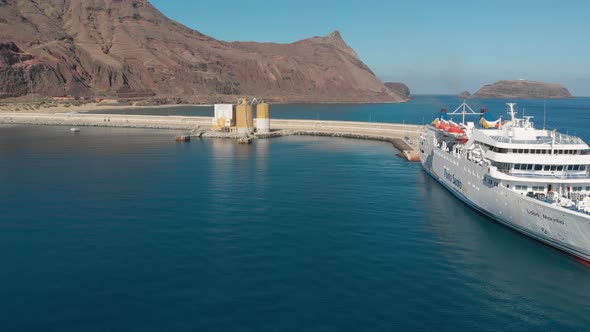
[[404, 137]]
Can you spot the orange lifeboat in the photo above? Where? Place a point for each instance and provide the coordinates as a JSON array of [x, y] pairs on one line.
[[455, 130], [443, 125]]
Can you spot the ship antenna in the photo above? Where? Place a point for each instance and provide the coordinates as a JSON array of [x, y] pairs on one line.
[[511, 110]]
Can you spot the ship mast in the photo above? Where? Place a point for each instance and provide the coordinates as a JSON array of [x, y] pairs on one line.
[[511, 111], [464, 109]]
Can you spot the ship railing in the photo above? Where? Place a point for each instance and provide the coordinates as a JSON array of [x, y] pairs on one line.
[[561, 139], [547, 176], [504, 139], [567, 139]]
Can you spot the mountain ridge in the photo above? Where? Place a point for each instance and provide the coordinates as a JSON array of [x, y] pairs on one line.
[[128, 48]]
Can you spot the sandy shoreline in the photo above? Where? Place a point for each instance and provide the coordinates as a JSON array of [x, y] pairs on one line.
[[84, 108]]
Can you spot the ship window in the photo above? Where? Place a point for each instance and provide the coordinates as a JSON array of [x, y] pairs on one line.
[[576, 189], [553, 167], [523, 188], [582, 167], [529, 167], [546, 168], [560, 168], [516, 166], [587, 188], [538, 188], [538, 167], [570, 167], [538, 151], [520, 150], [526, 150], [576, 167]]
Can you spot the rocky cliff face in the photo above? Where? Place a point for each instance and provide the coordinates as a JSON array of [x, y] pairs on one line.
[[522, 89], [127, 48]]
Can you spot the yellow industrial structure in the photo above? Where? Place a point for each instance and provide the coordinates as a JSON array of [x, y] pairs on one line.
[[263, 118], [239, 118], [244, 117]]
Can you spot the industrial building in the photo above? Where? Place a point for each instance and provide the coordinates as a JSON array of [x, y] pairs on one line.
[[239, 118]]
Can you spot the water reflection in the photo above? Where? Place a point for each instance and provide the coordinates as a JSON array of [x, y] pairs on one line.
[[504, 264]]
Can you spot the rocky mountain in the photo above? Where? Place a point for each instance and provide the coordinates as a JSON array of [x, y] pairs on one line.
[[522, 89], [127, 48], [399, 89]]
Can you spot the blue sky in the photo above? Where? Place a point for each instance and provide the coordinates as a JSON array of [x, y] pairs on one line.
[[433, 46]]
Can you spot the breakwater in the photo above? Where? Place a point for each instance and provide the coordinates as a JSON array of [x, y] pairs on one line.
[[403, 136]]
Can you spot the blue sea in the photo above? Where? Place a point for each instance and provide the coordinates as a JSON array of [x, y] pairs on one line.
[[126, 230]]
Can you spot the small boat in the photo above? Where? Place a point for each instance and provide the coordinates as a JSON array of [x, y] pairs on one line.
[[75, 130], [183, 138], [245, 140]]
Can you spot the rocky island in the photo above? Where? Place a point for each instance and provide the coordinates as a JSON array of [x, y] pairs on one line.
[[129, 49], [522, 89], [465, 95], [400, 89]]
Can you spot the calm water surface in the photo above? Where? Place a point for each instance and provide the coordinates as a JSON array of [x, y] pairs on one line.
[[125, 230]]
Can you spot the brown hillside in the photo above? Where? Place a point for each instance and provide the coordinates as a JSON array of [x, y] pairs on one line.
[[127, 48]]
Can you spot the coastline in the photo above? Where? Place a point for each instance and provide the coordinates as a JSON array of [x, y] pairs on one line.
[[80, 106], [83, 108]]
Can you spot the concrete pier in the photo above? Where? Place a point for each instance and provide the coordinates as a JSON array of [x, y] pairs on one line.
[[403, 136]]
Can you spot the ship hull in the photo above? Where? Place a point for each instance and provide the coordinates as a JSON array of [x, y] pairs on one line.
[[558, 227]]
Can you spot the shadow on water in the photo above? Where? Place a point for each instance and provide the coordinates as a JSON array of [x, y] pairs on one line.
[[505, 264]]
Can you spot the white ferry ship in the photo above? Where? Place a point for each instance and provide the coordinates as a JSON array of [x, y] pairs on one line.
[[535, 181]]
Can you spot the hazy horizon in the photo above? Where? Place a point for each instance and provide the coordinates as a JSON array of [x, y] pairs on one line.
[[434, 48]]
